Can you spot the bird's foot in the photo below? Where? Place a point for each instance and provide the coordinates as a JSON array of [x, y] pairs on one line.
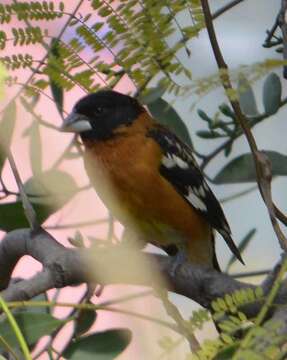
[[177, 260]]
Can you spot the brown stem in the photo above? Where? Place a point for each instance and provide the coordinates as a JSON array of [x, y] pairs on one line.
[[263, 169]]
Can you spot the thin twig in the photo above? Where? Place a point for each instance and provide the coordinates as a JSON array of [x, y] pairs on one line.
[[265, 183], [71, 314], [252, 121], [174, 313], [237, 195], [283, 24], [263, 172], [250, 274], [76, 225], [184, 38], [89, 306], [122, 299], [225, 8], [271, 33], [28, 208], [65, 152]]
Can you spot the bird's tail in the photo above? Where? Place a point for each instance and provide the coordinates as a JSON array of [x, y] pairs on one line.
[[231, 244], [214, 258]]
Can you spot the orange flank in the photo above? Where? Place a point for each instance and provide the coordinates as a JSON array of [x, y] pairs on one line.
[[125, 173]]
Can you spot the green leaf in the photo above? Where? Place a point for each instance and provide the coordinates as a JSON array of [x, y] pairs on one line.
[[104, 345], [246, 97], [33, 326], [35, 151], [272, 91], [7, 126], [241, 247], [71, 155], [84, 321], [57, 91], [151, 95], [241, 169], [204, 116], [48, 193], [226, 110], [12, 216], [227, 353], [205, 134], [228, 149], [53, 188], [167, 116]]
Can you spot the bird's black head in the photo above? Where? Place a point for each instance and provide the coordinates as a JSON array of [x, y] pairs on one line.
[[97, 116]]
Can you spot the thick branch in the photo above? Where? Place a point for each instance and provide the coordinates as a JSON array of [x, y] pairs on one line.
[[63, 267]]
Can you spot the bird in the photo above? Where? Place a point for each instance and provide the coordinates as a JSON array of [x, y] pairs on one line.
[[148, 178]]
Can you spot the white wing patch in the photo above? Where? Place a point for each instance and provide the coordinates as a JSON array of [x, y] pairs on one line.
[[201, 191], [195, 200], [172, 160], [180, 163], [168, 161]]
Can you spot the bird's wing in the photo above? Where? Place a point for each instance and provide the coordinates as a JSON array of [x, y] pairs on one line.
[[179, 167]]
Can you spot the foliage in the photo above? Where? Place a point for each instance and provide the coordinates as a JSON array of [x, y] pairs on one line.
[[145, 43]]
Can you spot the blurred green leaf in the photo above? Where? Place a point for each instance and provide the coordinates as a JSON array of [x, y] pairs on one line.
[[151, 95], [71, 155], [228, 149], [226, 110], [241, 169], [246, 97], [204, 116], [35, 148], [241, 247], [51, 191], [52, 188], [227, 353], [33, 326], [77, 240], [7, 126], [33, 310], [272, 91], [57, 91], [104, 345], [38, 309], [84, 321], [12, 215], [205, 134], [168, 117]]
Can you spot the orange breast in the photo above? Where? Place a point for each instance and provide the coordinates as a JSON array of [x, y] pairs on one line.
[[125, 174]]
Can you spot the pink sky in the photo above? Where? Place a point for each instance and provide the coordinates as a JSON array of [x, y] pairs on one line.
[[83, 207]]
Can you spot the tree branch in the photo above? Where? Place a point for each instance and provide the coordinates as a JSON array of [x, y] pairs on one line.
[[262, 166], [63, 267], [27, 206], [225, 8]]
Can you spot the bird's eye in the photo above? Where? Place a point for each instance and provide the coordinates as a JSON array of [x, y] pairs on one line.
[[99, 110]]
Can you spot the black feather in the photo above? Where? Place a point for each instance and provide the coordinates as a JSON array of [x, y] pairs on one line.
[[188, 180]]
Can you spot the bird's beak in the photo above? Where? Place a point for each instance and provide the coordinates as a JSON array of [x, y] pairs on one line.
[[76, 123]]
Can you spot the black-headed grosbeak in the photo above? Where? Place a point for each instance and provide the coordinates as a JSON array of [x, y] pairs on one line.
[[147, 177]]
